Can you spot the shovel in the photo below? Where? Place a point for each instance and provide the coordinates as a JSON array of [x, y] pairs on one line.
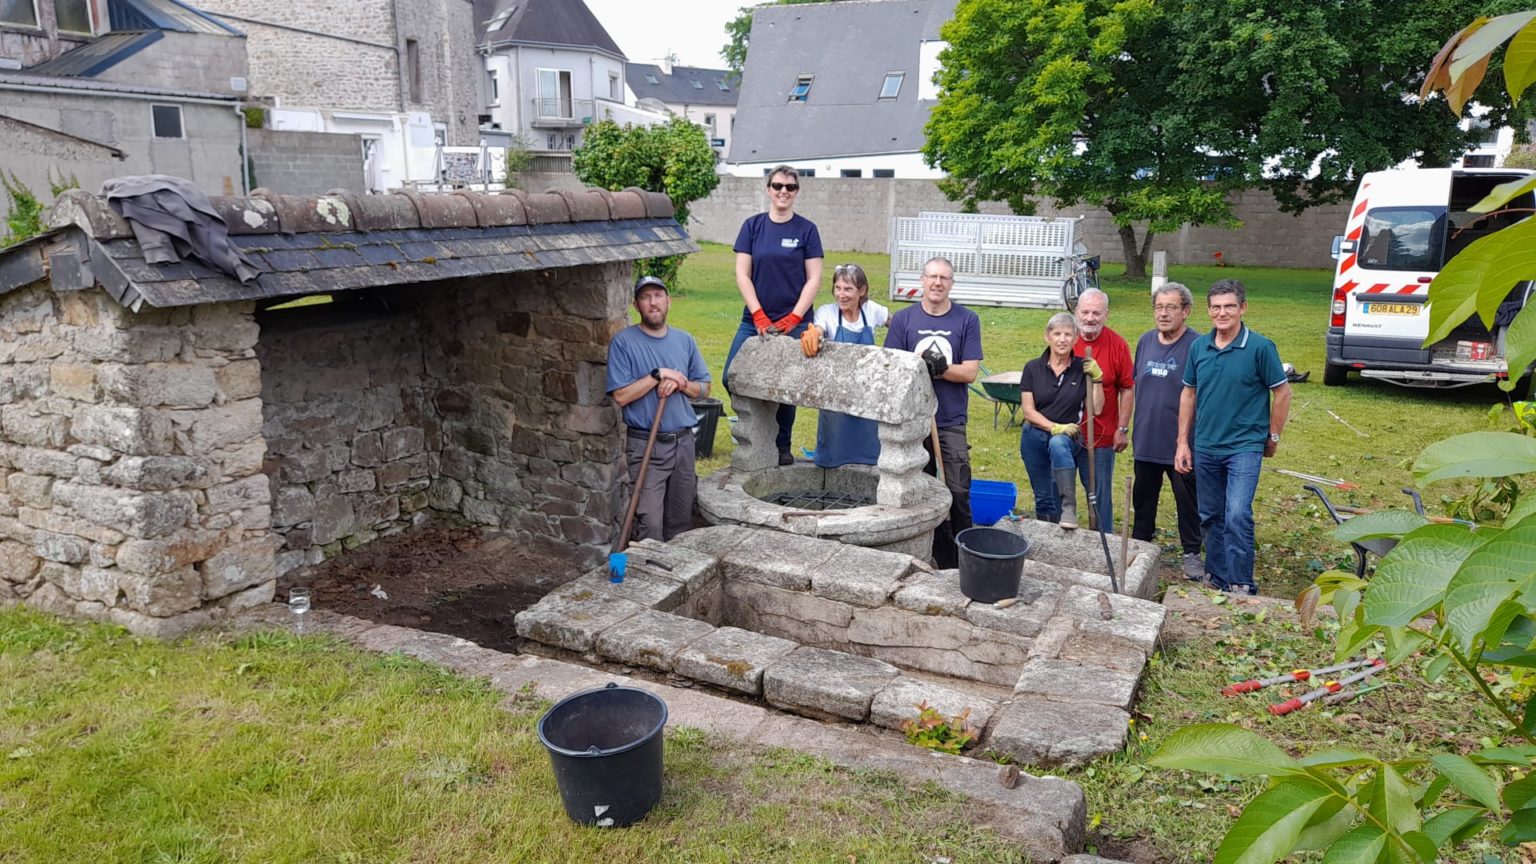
[[618, 562]]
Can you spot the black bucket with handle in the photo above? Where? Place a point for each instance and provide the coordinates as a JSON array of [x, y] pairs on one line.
[[605, 746], [991, 563]]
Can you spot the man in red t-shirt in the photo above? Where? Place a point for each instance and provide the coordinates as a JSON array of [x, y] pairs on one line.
[[1111, 433]]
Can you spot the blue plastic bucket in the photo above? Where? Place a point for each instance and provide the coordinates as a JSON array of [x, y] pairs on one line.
[[991, 500]]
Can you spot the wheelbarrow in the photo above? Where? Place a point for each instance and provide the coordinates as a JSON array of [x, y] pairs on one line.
[[1002, 390], [1361, 548]]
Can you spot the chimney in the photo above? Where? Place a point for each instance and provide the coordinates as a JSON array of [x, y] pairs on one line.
[[666, 64]]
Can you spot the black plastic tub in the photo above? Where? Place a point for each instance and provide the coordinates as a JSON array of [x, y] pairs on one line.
[[708, 411], [605, 746], [991, 563]]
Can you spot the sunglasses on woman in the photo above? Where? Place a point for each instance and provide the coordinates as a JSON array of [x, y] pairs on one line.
[[784, 187]]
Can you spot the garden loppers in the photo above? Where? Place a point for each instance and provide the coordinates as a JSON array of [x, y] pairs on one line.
[[618, 562], [1296, 675], [1289, 705]]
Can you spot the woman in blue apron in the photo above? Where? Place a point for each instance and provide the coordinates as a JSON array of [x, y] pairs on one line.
[[841, 439]]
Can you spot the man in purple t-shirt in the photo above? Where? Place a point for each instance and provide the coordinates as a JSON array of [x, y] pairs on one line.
[[948, 338]]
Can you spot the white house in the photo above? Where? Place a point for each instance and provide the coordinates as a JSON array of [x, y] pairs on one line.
[[704, 96]]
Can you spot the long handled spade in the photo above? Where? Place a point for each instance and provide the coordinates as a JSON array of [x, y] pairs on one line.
[[1093, 497], [618, 562]]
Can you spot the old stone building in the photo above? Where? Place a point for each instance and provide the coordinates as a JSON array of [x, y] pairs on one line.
[[172, 440]]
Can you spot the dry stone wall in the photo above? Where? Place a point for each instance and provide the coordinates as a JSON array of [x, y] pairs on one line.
[[352, 437], [531, 442], [131, 457]]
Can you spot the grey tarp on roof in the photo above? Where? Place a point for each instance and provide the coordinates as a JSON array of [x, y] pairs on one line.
[[843, 115]]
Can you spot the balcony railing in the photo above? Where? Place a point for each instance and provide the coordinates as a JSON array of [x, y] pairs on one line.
[[561, 113]]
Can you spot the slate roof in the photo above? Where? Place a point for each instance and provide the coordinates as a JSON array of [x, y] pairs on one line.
[[97, 56], [714, 86], [843, 114], [542, 22], [340, 242]]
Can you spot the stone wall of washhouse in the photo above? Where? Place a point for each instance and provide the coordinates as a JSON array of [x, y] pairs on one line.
[[482, 399], [131, 485]]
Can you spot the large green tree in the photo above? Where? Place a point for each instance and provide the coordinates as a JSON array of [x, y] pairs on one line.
[[1156, 111], [673, 157]]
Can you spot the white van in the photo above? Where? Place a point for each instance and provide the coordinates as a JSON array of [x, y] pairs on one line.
[[1403, 226]]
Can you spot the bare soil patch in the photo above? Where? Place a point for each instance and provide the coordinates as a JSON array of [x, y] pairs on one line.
[[463, 581]]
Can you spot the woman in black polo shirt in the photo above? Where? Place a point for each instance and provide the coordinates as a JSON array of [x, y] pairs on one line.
[[1051, 394]]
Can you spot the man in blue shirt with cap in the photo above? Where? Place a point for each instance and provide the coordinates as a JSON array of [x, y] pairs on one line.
[[646, 361]]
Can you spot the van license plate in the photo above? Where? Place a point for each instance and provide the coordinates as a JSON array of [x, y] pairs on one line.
[[1390, 308]]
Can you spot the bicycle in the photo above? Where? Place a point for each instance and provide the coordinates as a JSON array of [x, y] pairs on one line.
[[1082, 275]]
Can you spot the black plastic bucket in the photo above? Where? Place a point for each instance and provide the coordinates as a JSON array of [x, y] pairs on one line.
[[708, 410], [991, 563], [605, 746]]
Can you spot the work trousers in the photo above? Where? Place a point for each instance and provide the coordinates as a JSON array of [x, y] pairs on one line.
[[955, 450], [666, 500], [1148, 489]]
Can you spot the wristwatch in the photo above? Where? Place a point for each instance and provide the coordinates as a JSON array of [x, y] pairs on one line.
[[656, 373], [1124, 430], [1274, 437]]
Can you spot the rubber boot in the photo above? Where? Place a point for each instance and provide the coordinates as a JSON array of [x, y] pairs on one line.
[[1066, 490]]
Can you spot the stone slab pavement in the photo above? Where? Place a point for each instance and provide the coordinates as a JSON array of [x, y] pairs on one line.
[[1045, 815]]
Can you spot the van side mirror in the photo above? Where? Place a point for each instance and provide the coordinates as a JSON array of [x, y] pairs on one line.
[[1342, 246]]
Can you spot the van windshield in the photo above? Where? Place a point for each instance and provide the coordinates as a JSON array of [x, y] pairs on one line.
[[1403, 238]]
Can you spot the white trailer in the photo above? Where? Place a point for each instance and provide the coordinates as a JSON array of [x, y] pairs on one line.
[[998, 260]]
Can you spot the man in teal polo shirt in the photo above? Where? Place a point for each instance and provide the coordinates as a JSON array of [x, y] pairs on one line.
[[1235, 401]]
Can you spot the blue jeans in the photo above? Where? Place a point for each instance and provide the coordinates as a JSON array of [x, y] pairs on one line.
[[1226, 486], [1103, 482], [786, 413], [1043, 452]]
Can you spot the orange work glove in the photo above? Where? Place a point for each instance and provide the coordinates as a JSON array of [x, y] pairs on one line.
[[788, 322], [761, 321], [810, 341]]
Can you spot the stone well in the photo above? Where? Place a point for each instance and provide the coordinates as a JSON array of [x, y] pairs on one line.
[[889, 387], [172, 440]]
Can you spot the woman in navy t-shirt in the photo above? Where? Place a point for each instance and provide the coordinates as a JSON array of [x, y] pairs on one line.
[[778, 272]]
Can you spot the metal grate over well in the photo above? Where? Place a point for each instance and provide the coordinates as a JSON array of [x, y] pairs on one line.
[[819, 500]]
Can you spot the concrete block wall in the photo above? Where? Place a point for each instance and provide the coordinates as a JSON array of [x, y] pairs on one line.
[[854, 214], [305, 163], [130, 461]]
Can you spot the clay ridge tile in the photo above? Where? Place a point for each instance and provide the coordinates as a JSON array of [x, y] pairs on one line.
[[507, 207], [585, 205], [90, 213], [657, 204], [385, 213], [628, 204], [301, 214], [545, 208]]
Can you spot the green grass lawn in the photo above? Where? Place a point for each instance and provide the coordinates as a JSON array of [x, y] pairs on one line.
[[1289, 306]]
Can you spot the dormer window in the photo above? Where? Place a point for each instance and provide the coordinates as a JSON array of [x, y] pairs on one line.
[[21, 13], [73, 16], [802, 88], [891, 88]]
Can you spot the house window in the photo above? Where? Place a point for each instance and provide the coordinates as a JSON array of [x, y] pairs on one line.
[[413, 69], [852, 172], [651, 79], [495, 90], [802, 88], [807, 172], [19, 12], [74, 16], [554, 93], [697, 84], [892, 86], [1483, 160], [723, 86], [167, 121], [709, 123], [613, 87], [884, 172]]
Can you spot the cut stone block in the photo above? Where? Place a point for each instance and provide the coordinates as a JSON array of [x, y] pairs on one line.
[[826, 684], [1094, 649], [863, 577], [732, 658], [1134, 620], [778, 559], [804, 618], [1060, 680], [1024, 618], [938, 643], [688, 566], [1082, 550], [572, 616], [715, 541], [646, 587], [650, 639], [932, 594], [1049, 734], [897, 703]]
